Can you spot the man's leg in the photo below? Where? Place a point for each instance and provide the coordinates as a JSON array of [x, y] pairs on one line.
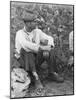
[[53, 72], [52, 62], [32, 69], [39, 59]]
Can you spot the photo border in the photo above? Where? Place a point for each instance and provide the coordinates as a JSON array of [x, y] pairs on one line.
[[73, 50]]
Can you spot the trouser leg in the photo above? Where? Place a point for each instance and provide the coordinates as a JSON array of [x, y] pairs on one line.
[[53, 71], [39, 59], [27, 60], [30, 62], [52, 62]]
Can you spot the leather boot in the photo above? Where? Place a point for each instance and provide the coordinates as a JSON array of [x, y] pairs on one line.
[[38, 84], [56, 77]]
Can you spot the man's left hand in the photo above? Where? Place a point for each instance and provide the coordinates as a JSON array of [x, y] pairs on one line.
[[46, 53]]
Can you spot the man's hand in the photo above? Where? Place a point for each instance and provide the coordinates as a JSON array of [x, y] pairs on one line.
[[45, 48], [36, 75], [46, 54]]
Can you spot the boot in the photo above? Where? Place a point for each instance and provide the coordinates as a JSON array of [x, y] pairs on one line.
[[56, 77], [38, 84]]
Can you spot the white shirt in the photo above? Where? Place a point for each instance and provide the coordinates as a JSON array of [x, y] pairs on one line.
[[40, 35], [25, 40]]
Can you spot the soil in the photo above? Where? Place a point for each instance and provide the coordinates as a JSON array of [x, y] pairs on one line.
[[53, 89]]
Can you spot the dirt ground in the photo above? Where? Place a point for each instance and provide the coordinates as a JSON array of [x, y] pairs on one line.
[[53, 89]]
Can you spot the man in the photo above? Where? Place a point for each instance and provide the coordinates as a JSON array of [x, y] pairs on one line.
[[28, 45]]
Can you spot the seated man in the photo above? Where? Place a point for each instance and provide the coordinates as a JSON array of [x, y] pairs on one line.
[[27, 45], [26, 48]]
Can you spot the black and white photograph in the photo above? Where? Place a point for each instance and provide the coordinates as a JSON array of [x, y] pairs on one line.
[[41, 49]]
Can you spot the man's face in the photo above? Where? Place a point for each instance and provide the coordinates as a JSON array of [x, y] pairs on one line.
[[27, 26], [30, 26]]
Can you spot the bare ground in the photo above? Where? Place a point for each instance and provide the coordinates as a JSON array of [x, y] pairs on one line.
[[53, 89]]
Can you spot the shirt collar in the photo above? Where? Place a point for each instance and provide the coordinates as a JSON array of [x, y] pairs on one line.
[[26, 31]]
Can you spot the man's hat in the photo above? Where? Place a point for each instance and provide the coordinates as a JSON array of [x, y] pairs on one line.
[[28, 17], [28, 20]]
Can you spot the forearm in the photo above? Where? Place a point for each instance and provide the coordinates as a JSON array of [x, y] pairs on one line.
[[31, 46], [45, 48], [35, 47]]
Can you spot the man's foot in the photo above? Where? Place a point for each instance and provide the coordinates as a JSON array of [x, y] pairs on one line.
[[56, 77], [38, 84]]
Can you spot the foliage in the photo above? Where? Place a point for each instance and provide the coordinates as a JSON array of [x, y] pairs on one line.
[[59, 19]]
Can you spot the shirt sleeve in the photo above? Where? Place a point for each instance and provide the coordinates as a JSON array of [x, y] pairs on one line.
[[51, 41], [27, 44], [47, 37], [36, 37]]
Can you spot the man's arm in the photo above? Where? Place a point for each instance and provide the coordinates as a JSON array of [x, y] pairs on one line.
[[47, 37], [34, 47], [29, 45]]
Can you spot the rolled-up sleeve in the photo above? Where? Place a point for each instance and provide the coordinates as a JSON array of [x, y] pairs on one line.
[[28, 45], [47, 37], [51, 41]]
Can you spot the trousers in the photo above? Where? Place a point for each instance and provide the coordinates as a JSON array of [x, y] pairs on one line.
[[30, 61], [51, 60], [27, 60]]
